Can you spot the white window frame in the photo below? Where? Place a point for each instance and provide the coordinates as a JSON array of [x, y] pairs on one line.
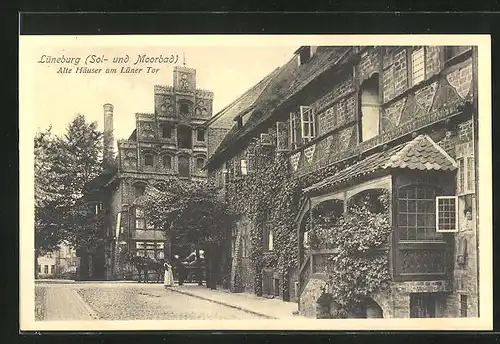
[[307, 120], [455, 230]]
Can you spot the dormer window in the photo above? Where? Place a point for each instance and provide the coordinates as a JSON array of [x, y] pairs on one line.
[[239, 122], [305, 53]]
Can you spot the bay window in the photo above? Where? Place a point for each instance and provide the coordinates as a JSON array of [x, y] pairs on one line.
[[417, 214]]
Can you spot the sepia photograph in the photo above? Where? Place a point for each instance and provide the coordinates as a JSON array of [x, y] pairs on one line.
[[326, 182]]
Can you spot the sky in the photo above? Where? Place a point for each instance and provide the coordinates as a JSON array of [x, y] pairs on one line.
[[227, 71]]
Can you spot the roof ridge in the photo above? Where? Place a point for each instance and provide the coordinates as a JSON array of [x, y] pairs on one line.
[[441, 150], [248, 91]]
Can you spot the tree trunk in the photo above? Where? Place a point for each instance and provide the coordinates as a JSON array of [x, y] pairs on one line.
[[199, 273], [36, 264]]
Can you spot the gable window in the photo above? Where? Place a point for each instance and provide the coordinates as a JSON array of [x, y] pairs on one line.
[[200, 135], [200, 162], [184, 166], [184, 137], [167, 162], [417, 66], [148, 159], [166, 130], [417, 214], [184, 108], [370, 108], [139, 189]]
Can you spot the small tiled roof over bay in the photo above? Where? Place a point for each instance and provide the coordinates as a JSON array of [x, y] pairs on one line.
[[421, 153], [285, 83]]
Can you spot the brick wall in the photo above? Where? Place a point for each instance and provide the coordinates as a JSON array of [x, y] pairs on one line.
[[369, 63]]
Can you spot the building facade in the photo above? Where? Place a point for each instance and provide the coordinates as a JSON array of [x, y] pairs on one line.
[[62, 263], [355, 122], [169, 143]]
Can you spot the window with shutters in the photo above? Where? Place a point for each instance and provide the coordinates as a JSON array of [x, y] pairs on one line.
[[307, 122], [446, 209], [417, 214], [200, 135]]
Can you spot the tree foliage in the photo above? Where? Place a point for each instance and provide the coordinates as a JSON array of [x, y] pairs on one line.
[[190, 210], [63, 166], [360, 267]]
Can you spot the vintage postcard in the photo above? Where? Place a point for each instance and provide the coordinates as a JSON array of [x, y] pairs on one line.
[[326, 182]]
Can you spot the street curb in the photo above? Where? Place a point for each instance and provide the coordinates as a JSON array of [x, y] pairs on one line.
[[86, 306], [221, 303]]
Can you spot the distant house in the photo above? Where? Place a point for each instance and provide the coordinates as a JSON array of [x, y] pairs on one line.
[[62, 263], [396, 119]]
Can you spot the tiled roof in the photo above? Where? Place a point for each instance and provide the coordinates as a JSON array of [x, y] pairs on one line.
[[287, 81], [244, 103], [422, 153]]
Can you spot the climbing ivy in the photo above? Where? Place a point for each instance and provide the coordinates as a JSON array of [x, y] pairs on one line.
[[271, 189], [360, 267], [268, 193]]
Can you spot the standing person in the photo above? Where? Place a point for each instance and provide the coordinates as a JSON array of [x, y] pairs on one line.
[[168, 279]]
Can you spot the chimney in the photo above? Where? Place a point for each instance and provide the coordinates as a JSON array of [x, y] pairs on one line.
[[108, 141]]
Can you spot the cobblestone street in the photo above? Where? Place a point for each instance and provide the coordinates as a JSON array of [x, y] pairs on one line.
[[126, 301]]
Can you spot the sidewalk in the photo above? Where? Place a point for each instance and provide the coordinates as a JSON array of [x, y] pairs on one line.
[[269, 308]]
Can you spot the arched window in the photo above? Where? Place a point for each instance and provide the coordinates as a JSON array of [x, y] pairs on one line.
[[370, 108], [167, 162], [148, 160], [184, 166], [417, 213]]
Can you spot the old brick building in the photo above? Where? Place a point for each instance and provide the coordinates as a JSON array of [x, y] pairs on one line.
[[170, 142], [397, 119]]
